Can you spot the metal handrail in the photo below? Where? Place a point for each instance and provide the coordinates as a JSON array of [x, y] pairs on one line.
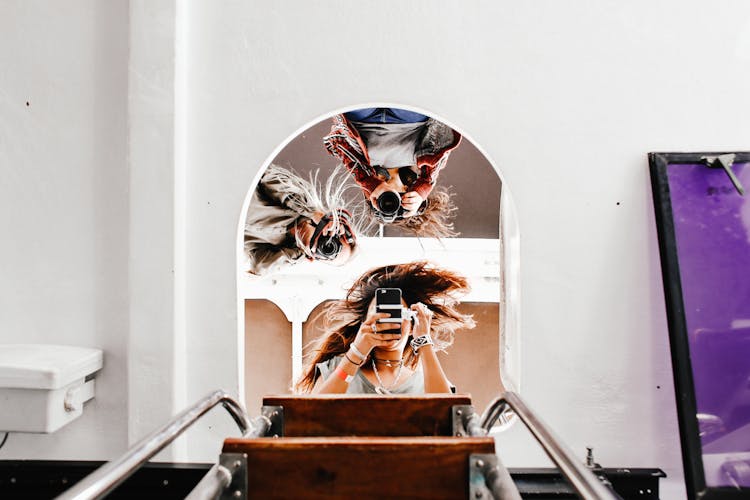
[[585, 482], [110, 475], [497, 479], [216, 480]]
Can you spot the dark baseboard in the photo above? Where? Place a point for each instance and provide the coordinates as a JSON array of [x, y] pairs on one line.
[[43, 479]]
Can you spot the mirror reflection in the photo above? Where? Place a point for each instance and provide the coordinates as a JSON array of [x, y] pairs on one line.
[[291, 218], [384, 335], [302, 315], [395, 156]]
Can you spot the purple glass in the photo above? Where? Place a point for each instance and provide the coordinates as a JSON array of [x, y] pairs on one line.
[[712, 232]]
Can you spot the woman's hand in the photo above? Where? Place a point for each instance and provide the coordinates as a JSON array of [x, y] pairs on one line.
[[331, 228], [372, 334], [423, 321], [411, 201], [435, 380]]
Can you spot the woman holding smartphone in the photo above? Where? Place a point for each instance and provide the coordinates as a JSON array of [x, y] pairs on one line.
[[363, 354]]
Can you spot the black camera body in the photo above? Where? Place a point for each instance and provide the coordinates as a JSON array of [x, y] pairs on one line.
[[389, 206], [329, 247]]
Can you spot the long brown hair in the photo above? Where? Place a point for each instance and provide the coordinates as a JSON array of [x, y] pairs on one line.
[[436, 288]]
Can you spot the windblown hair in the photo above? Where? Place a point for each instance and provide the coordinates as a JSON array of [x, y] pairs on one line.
[[328, 197], [419, 281], [437, 219]]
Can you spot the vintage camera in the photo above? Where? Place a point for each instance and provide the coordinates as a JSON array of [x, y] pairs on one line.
[[329, 247], [389, 207]]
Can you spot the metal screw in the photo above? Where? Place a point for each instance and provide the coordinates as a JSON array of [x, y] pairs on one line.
[[459, 412], [236, 464], [589, 457], [165, 482], [479, 463], [459, 434], [237, 493], [274, 414]]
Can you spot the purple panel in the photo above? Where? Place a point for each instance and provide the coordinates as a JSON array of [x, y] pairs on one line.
[[712, 231]]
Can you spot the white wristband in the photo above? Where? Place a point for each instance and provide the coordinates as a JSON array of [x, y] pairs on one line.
[[356, 352], [419, 342]]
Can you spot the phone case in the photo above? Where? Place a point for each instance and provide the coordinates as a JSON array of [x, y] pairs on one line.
[[388, 300]]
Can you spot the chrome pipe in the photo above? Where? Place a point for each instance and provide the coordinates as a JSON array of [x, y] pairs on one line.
[[472, 424], [260, 426], [493, 413], [500, 483], [110, 475], [586, 484], [216, 480]]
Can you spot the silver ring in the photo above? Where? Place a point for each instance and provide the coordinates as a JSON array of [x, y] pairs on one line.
[[374, 328]]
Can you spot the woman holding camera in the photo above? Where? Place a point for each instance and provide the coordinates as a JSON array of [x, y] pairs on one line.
[[362, 354], [289, 219], [395, 157]]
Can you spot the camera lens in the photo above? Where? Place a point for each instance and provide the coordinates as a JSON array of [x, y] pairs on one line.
[[328, 248], [389, 203]]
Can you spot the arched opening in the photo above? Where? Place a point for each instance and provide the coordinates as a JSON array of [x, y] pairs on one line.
[[486, 252]]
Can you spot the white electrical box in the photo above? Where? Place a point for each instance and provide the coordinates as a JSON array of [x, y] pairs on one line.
[[43, 387]]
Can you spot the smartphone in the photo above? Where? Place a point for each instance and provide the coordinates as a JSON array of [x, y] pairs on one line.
[[388, 300]]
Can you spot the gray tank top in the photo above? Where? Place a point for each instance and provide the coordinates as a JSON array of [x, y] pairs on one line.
[[391, 145], [361, 385]]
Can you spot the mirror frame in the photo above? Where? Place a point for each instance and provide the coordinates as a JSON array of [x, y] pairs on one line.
[[508, 252], [692, 455]]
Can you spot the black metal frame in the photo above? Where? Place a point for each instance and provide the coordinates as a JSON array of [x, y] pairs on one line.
[[692, 458], [24, 479]]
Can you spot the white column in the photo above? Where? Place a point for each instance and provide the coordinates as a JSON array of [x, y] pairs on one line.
[[156, 344]]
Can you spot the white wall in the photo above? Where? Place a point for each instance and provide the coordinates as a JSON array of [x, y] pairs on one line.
[[64, 219], [566, 97]]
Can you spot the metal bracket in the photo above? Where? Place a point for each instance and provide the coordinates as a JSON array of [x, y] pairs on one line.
[[488, 478], [465, 422], [236, 463], [459, 414], [478, 464], [276, 415], [725, 162]]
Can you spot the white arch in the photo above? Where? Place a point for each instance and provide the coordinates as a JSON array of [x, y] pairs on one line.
[[297, 310]]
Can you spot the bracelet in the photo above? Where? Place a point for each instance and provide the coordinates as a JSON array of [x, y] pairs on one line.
[[340, 373], [346, 355], [357, 353], [419, 342]]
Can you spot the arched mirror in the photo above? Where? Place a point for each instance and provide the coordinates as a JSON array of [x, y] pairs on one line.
[[283, 294]]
